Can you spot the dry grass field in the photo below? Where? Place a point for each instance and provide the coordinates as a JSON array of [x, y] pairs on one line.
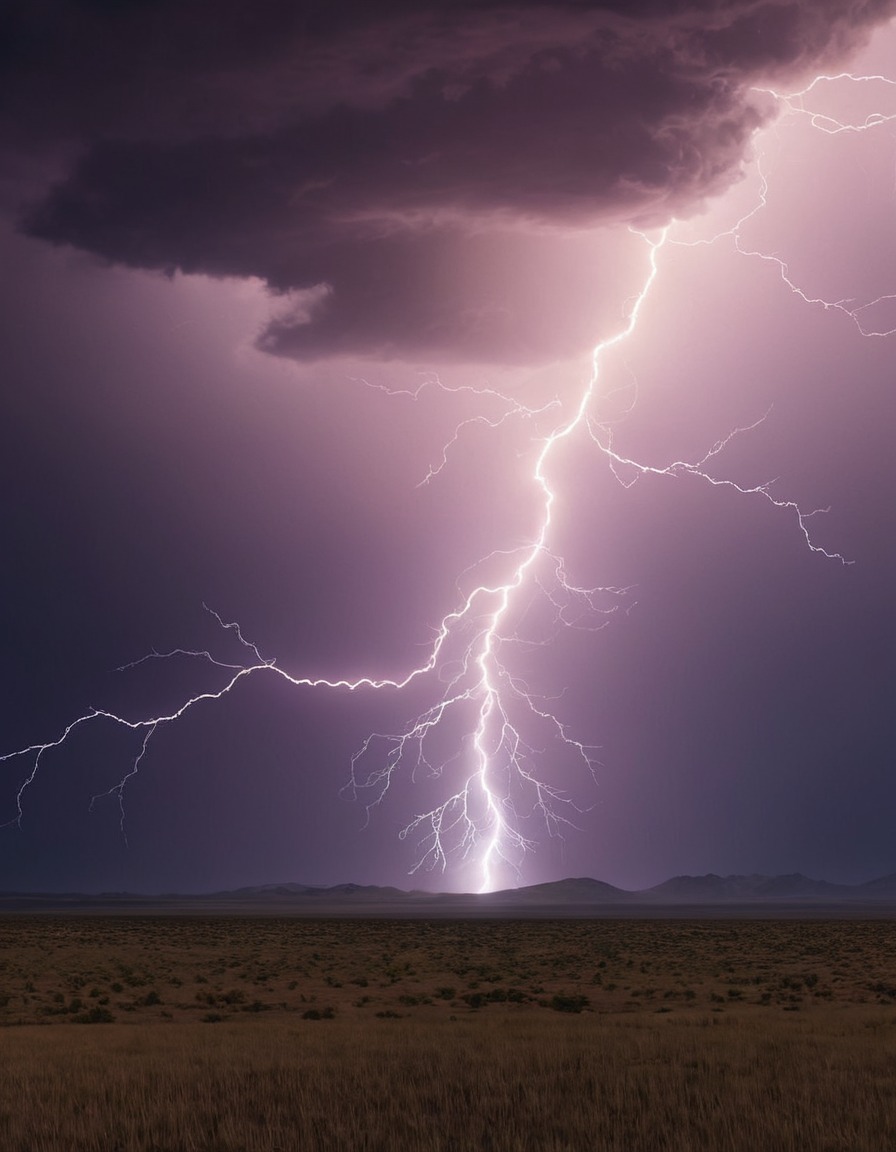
[[168, 1035]]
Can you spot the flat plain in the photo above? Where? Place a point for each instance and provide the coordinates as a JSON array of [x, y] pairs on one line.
[[163, 1034]]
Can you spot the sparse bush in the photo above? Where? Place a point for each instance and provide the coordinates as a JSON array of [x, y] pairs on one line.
[[94, 1015], [569, 1002], [319, 1014]]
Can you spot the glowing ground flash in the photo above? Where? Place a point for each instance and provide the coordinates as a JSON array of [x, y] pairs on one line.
[[495, 773]]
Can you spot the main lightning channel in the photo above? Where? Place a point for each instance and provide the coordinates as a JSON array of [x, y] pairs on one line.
[[499, 828]]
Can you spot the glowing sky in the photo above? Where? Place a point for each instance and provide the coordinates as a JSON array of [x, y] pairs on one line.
[[241, 246]]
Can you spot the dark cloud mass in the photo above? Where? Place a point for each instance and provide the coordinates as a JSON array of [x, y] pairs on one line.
[[363, 146]]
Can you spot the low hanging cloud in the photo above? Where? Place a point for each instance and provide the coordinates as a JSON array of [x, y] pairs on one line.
[[366, 152]]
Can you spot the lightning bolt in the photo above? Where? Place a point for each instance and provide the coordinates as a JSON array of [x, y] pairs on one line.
[[484, 723], [794, 105]]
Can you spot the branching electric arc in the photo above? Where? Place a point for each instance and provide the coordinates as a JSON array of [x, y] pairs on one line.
[[498, 785], [794, 104]]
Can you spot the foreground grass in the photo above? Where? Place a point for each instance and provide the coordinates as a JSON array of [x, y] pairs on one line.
[[606, 1036], [500, 1082]]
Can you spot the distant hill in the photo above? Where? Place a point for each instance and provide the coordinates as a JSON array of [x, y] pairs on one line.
[[725, 889], [883, 886], [576, 896], [572, 891], [310, 892]]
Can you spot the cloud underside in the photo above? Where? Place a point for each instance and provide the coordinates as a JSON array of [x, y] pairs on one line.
[[384, 166]]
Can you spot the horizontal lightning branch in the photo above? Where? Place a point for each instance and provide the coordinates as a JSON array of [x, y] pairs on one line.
[[794, 105]]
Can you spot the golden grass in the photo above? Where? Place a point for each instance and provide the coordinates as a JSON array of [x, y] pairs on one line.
[[498, 1082], [801, 1059]]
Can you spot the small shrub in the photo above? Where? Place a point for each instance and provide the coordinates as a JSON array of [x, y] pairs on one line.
[[572, 1002], [95, 1015], [319, 1014]]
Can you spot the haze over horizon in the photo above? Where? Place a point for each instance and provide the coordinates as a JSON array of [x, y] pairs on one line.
[[267, 270], [784, 895]]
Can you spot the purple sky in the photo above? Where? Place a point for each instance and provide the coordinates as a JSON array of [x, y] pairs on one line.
[[262, 262]]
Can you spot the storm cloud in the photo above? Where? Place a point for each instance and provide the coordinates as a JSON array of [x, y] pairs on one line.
[[354, 156]]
